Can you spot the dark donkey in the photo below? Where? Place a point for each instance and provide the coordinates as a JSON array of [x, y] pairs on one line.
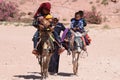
[[45, 49]]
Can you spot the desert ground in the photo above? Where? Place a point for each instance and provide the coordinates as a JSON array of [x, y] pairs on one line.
[[18, 63]]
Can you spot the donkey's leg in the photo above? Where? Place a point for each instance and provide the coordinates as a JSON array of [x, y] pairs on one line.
[[46, 64], [48, 60], [75, 66], [75, 58], [41, 67], [44, 67], [74, 62]]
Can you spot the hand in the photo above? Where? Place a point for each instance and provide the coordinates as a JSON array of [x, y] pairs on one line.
[[74, 29], [52, 28], [77, 28]]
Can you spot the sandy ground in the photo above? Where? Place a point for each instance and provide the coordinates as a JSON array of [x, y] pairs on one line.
[[17, 62]]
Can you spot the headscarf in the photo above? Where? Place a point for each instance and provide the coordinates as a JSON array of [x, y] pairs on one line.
[[45, 5], [56, 16]]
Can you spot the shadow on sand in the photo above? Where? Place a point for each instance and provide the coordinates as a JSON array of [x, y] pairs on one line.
[[36, 75], [65, 74], [32, 76]]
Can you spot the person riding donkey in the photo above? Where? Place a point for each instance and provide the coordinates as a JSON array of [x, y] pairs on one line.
[[77, 25], [40, 18]]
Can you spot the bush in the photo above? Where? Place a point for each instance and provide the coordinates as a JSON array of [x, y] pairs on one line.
[[64, 19], [106, 26], [74, 0], [90, 2], [8, 11], [93, 16], [97, 1], [115, 1], [104, 2]]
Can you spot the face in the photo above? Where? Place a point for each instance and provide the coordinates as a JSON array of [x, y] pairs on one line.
[[55, 20], [77, 17], [45, 11]]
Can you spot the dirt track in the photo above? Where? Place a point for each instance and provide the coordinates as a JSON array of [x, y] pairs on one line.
[[17, 62]]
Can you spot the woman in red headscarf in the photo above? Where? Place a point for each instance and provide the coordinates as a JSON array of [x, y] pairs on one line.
[[42, 11]]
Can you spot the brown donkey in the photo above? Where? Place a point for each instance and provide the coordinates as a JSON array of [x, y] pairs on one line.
[[45, 49]]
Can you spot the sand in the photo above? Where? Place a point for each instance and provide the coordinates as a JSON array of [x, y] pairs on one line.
[[18, 63]]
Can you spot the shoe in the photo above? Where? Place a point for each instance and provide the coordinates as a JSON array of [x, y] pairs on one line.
[[35, 52], [62, 49]]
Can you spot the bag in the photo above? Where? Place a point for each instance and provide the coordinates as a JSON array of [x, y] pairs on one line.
[[87, 39]]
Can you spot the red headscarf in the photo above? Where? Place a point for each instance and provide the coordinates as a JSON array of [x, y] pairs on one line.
[[45, 5]]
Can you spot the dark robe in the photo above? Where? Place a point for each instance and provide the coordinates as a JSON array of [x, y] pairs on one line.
[[54, 62]]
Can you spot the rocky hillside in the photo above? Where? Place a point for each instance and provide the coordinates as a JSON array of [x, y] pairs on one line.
[[109, 9]]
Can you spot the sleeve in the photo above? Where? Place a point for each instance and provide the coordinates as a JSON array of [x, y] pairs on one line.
[[72, 19], [62, 27], [72, 24], [36, 22], [81, 25]]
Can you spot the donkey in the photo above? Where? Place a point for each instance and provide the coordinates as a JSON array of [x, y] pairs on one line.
[[45, 49], [75, 45]]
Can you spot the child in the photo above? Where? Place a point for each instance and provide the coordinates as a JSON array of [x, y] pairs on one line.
[[77, 25], [57, 28], [87, 38]]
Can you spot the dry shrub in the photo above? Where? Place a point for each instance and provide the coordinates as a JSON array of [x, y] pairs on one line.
[[8, 11], [105, 2], [93, 16]]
